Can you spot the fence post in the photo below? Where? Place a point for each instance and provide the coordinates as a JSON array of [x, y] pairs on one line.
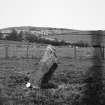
[[6, 51], [75, 52], [103, 52], [15, 51], [27, 52]]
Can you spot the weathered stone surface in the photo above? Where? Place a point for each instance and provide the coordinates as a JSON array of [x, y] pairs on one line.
[[46, 67]]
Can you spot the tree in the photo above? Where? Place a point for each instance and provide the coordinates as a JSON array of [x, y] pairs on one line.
[[20, 36], [12, 35], [15, 36], [31, 38], [1, 35]]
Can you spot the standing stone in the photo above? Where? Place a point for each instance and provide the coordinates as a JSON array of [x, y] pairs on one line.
[[46, 68]]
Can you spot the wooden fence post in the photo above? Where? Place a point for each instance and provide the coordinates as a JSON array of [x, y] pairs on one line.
[[6, 51], [16, 51], [27, 52], [75, 52], [103, 52]]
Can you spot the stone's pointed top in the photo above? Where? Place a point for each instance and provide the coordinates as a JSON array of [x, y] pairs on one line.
[[50, 47], [50, 54]]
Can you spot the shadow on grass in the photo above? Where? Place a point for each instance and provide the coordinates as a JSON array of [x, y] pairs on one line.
[[93, 91]]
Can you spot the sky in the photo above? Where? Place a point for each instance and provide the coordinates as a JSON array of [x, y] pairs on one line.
[[72, 14]]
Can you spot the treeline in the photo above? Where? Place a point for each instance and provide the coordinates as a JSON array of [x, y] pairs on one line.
[[37, 38], [30, 37], [14, 36]]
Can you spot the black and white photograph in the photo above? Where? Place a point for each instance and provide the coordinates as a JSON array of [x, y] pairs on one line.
[[52, 52]]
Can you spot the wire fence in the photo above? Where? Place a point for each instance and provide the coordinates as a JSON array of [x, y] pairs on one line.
[[32, 50], [19, 50]]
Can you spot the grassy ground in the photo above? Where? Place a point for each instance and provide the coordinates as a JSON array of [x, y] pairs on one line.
[[69, 75]]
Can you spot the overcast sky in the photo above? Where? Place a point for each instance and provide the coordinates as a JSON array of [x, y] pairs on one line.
[[73, 14]]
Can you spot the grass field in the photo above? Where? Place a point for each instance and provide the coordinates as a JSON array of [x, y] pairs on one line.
[[69, 72], [70, 75], [72, 38]]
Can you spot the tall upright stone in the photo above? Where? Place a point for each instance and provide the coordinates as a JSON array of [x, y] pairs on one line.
[[46, 68]]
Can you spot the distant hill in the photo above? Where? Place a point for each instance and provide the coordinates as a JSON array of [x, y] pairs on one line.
[[46, 35], [46, 30]]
